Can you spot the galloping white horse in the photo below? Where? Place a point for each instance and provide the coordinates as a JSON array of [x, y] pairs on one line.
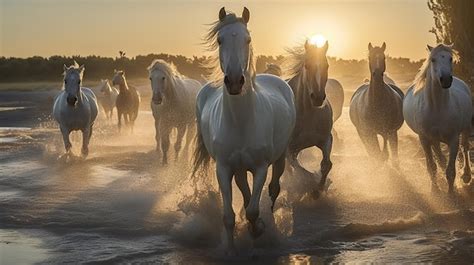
[[244, 124], [308, 70], [108, 98], [75, 108], [376, 109], [173, 105], [438, 108]]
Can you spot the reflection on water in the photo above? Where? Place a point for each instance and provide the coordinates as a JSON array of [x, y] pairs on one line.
[[17, 247]]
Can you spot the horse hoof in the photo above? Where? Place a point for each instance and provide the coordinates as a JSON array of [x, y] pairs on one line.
[[257, 228], [466, 178]]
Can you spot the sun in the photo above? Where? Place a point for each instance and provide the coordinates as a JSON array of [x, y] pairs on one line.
[[318, 40]]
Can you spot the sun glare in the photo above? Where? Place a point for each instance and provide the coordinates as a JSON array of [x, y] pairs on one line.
[[318, 40]]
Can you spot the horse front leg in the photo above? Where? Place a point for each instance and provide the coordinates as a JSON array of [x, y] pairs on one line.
[[430, 163], [243, 185], [257, 227], [224, 178], [157, 134], [326, 166], [451, 169], [67, 143], [274, 187], [439, 155], [181, 129], [86, 136], [165, 131], [466, 176], [190, 132], [370, 142]]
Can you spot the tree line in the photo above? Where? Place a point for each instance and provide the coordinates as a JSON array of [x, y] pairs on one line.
[[50, 68]]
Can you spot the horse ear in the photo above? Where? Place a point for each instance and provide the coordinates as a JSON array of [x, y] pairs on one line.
[[64, 67], [82, 68], [115, 71], [246, 15], [222, 14], [370, 46], [326, 46], [306, 45], [430, 48], [384, 46]]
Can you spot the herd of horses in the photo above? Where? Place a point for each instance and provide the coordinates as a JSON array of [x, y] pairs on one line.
[[246, 122]]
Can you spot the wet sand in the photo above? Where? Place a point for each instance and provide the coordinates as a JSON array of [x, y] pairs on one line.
[[122, 206]]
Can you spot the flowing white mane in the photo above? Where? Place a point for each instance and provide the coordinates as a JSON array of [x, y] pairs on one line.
[[215, 75], [423, 73]]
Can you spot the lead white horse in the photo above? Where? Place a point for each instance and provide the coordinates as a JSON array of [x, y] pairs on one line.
[[438, 108], [244, 124], [173, 103], [75, 108], [108, 98]]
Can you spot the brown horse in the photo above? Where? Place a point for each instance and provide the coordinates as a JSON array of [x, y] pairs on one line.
[[308, 72], [376, 109], [128, 100]]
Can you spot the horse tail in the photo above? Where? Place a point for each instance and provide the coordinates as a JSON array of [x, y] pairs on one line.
[[201, 157]]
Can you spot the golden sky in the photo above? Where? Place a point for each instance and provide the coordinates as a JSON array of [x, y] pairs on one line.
[[103, 27]]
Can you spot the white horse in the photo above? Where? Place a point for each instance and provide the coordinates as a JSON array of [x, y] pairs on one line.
[[438, 108], [244, 124], [75, 108], [173, 105], [108, 98], [335, 95]]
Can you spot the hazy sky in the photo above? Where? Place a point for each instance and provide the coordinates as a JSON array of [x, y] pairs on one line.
[[103, 27]]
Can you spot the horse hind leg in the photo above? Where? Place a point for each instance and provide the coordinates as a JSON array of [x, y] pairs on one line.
[[393, 141], [119, 117], [274, 187], [466, 177], [326, 166]]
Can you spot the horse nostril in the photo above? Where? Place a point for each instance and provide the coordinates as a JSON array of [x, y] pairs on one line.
[[242, 80], [226, 80]]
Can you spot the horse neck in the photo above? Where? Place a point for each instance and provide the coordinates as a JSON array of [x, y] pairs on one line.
[[170, 92], [123, 87], [436, 97], [377, 90], [304, 82], [239, 109]]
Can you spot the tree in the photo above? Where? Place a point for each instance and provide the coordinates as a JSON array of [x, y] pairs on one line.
[[454, 24]]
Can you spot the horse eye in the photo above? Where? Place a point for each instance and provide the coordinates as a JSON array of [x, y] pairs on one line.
[[65, 82], [163, 78], [78, 82], [249, 40], [450, 59], [219, 41], [150, 79], [433, 60]]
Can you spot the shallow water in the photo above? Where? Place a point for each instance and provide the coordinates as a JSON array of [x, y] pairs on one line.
[[121, 205]]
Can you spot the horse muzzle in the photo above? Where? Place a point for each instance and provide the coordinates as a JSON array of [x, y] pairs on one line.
[[71, 101], [234, 85], [446, 81], [317, 101], [157, 100]]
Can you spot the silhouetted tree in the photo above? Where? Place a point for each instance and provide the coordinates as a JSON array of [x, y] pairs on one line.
[[454, 24]]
